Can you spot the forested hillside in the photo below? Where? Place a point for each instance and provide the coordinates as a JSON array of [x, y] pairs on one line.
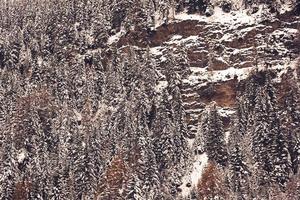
[[149, 99]]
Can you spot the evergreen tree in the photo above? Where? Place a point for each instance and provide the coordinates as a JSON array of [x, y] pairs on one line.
[[279, 151], [291, 121], [269, 145], [8, 168], [214, 136], [260, 141], [239, 172], [163, 128]]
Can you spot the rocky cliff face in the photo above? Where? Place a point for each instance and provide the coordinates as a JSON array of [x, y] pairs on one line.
[[126, 99], [222, 51]]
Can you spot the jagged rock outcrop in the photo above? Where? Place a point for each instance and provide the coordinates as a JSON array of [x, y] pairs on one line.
[[222, 51]]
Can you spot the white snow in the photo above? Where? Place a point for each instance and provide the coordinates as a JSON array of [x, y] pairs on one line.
[[221, 59], [115, 38], [184, 16], [39, 61], [195, 174], [287, 6], [226, 137], [176, 37], [200, 76], [157, 19], [283, 68], [78, 115], [190, 142], [226, 112], [227, 37], [203, 75], [101, 111], [189, 41], [157, 51], [161, 85], [198, 69], [234, 18], [285, 32], [22, 155]]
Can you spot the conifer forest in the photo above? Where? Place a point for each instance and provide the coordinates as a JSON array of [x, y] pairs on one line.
[[149, 99]]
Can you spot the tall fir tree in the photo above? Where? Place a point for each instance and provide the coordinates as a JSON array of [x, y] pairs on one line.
[[213, 133]]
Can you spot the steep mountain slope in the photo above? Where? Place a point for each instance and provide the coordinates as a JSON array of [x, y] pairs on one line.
[[222, 51], [150, 99]]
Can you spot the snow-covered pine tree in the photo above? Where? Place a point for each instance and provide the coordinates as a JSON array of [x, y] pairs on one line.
[[238, 170], [181, 131], [269, 145], [260, 141], [291, 121], [278, 148], [147, 174], [214, 136], [120, 10], [163, 130], [8, 174], [78, 158], [133, 190]]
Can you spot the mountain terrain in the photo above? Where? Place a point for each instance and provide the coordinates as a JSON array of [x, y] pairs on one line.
[[150, 100]]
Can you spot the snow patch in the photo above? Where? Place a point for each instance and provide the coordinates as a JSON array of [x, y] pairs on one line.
[[226, 137], [287, 6], [39, 61], [157, 51], [78, 115], [176, 37], [282, 69], [227, 37], [234, 18], [224, 112], [202, 75], [115, 38], [191, 40], [184, 16], [22, 155], [161, 85], [195, 174]]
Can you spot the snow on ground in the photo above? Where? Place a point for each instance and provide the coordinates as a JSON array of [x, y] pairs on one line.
[[178, 39], [161, 85], [226, 137], [157, 51], [203, 75], [287, 6], [195, 174], [234, 18], [184, 16], [282, 68], [224, 112], [190, 142], [77, 114], [114, 38], [285, 31], [22, 155]]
